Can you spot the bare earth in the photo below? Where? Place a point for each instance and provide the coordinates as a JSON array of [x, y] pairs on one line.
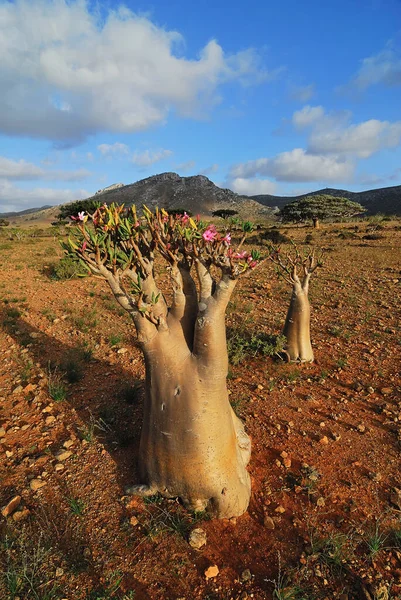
[[324, 519]]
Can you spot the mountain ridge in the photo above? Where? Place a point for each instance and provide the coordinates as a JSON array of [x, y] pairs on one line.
[[198, 194]]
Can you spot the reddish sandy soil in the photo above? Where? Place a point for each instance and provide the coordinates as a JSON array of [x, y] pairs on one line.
[[324, 519]]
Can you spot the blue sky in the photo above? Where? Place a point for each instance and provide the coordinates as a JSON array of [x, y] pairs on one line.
[[260, 96]]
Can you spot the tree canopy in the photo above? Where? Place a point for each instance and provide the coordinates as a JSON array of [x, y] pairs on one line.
[[224, 213], [73, 208], [322, 206]]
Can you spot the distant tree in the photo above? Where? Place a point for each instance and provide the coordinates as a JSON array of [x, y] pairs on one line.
[[320, 207], [73, 208], [4, 223], [225, 213], [178, 212]]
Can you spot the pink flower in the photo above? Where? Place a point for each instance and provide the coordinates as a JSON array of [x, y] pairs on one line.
[[253, 264], [210, 233], [227, 238], [242, 254], [84, 246], [80, 217], [185, 218]]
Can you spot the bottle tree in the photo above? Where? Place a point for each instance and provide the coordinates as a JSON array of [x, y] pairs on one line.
[[296, 269], [320, 207], [192, 444]]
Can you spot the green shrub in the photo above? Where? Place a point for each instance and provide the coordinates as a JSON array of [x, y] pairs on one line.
[[241, 344], [67, 268]]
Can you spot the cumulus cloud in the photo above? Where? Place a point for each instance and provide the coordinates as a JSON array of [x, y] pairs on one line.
[[112, 149], [384, 67], [252, 187], [302, 93], [22, 170], [14, 198], [209, 170], [360, 140], [296, 165], [185, 166], [148, 158], [65, 73], [308, 116]]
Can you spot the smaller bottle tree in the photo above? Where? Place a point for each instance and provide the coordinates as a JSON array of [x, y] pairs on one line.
[[192, 444], [320, 207], [296, 269]]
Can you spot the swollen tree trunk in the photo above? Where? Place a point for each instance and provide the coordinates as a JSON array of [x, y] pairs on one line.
[[297, 324], [316, 223], [192, 444]]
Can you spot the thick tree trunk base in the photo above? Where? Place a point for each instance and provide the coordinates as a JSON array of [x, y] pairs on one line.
[[298, 348], [193, 446]]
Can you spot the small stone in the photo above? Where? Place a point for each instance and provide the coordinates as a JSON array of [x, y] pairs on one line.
[[212, 571], [9, 454], [59, 467], [122, 350], [197, 538], [336, 436], [61, 456], [134, 521], [36, 484], [68, 444], [29, 388], [246, 575], [395, 497], [324, 440], [386, 390], [50, 419], [11, 506], [322, 424], [2, 432], [260, 387], [59, 572], [370, 390], [18, 389], [320, 501], [284, 454], [287, 463], [268, 523], [19, 515], [280, 509], [361, 428]]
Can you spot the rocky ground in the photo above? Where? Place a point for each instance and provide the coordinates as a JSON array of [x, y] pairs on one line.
[[324, 519]]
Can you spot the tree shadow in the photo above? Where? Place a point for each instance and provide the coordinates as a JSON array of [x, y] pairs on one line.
[[107, 398]]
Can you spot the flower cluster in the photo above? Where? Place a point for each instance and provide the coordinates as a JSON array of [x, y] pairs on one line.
[[115, 235]]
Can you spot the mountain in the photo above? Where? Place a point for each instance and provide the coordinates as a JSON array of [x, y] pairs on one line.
[[28, 211], [382, 200], [200, 195], [196, 194]]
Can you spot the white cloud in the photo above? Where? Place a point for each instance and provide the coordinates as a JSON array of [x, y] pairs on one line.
[[13, 198], [148, 158], [209, 170], [66, 74], [302, 93], [360, 140], [24, 171], [308, 116], [110, 149], [296, 165], [251, 187], [384, 67], [186, 166]]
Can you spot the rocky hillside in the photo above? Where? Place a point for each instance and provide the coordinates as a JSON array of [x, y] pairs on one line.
[[168, 190], [383, 200]]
